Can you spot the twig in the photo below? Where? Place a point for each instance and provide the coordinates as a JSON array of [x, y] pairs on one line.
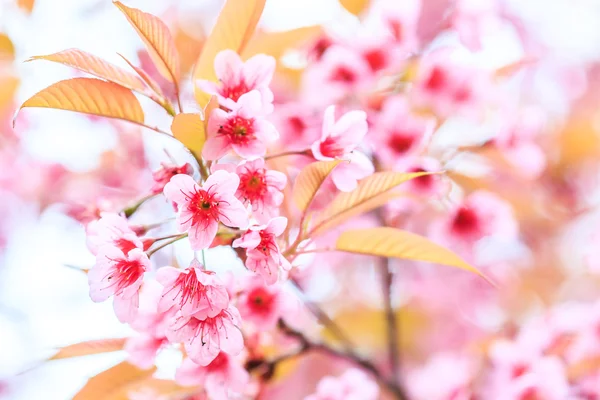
[[306, 152], [391, 323], [165, 244]]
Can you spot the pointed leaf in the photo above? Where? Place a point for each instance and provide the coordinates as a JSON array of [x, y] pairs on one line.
[[234, 27], [355, 6], [309, 181], [26, 5], [276, 43], [96, 66], [392, 242], [90, 347], [189, 130], [90, 96], [114, 383], [157, 38], [212, 104], [7, 49], [145, 77], [370, 194]]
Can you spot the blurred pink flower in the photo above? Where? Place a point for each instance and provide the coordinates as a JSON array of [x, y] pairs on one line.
[[163, 175], [202, 208], [263, 305], [111, 230], [351, 385], [243, 130], [237, 78], [452, 375], [263, 255]]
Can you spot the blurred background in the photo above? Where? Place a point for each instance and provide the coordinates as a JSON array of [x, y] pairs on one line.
[[54, 163]]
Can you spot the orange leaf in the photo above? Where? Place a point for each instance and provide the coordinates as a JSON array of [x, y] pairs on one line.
[[371, 193], [145, 77], [392, 242], [113, 384], [276, 43], [189, 130], [355, 6], [7, 49], [90, 347], [212, 104], [309, 181], [90, 96], [8, 87], [234, 27], [26, 5], [157, 38], [96, 66]]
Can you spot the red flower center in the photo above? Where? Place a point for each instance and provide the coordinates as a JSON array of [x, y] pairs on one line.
[[125, 273], [125, 245], [401, 142], [261, 301], [189, 287], [436, 80], [530, 394], [218, 364], [466, 222], [203, 207], [267, 244], [424, 181], [253, 185], [343, 74], [330, 147], [519, 370], [240, 130], [376, 59], [236, 91], [297, 124]]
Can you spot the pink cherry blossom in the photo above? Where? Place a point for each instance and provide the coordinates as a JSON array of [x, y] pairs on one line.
[[119, 275], [338, 140], [262, 251], [427, 185], [263, 305], [193, 291], [452, 374], [112, 230], [398, 132], [219, 377], [397, 20], [163, 175], [243, 130], [237, 78], [261, 188], [351, 385], [474, 20], [205, 338], [201, 208]]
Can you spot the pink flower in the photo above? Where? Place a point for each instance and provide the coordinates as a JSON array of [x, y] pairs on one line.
[[352, 385], [399, 132], [340, 71], [237, 78], [243, 130], [205, 338], [263, 255], [119, 275], [338, 141], [164, 174], [192, 291], [142, 349], [219, 377], [397, 20], [261, 188], [427, 185], [476, 19], [263, 305], [202, 208], [111, 230], [452, 375]]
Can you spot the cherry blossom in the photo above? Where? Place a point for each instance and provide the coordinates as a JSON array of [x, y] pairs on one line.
[[205, 338], [163, 175], [120, 275], [243, 130], [351, 385], [193, 291], [263, 305], [262, 251], [237, 78], [201, 208], [219, 377], [111, 230]]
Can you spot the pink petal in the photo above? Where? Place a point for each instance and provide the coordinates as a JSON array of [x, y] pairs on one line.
[[265, 131], [126, 308], [228, 67], [254, 148], [328, 122], [351, 128], [277, 226], [179, 188], [249, 240], [190, 373], [249, 105], [276, 179], [258, 71], [201, 237], [233, 213], [207, 86], [232, 341], [223, 183]]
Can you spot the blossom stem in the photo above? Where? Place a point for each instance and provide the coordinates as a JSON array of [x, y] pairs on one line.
[[129, 211], [165, 244], [305, 152], [167, 237], [307, 345]]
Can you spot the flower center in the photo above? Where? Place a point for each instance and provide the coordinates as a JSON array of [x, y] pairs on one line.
[[519, 370], [375, 58], [437, 79], [267, 243], [125, 245], [401, 142], [203, 207], [343, 74], [240, 130], [125, 273], [260, 300], [424, 181], [236, 91], [253, 185], [219, 363], [466, 222], [297, 124], [330, 147]]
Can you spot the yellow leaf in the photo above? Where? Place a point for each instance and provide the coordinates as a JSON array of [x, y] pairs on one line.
[[26, 5], [189, 130], [158, 40], [7, 49], [212, 104], [145, 77], [276, 43], [392, 242], [96, 66], [113, 384], [90, 347], [355, 6], [370, 194], [8, 87], [309, 181], [234, 27], [90, 96]]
